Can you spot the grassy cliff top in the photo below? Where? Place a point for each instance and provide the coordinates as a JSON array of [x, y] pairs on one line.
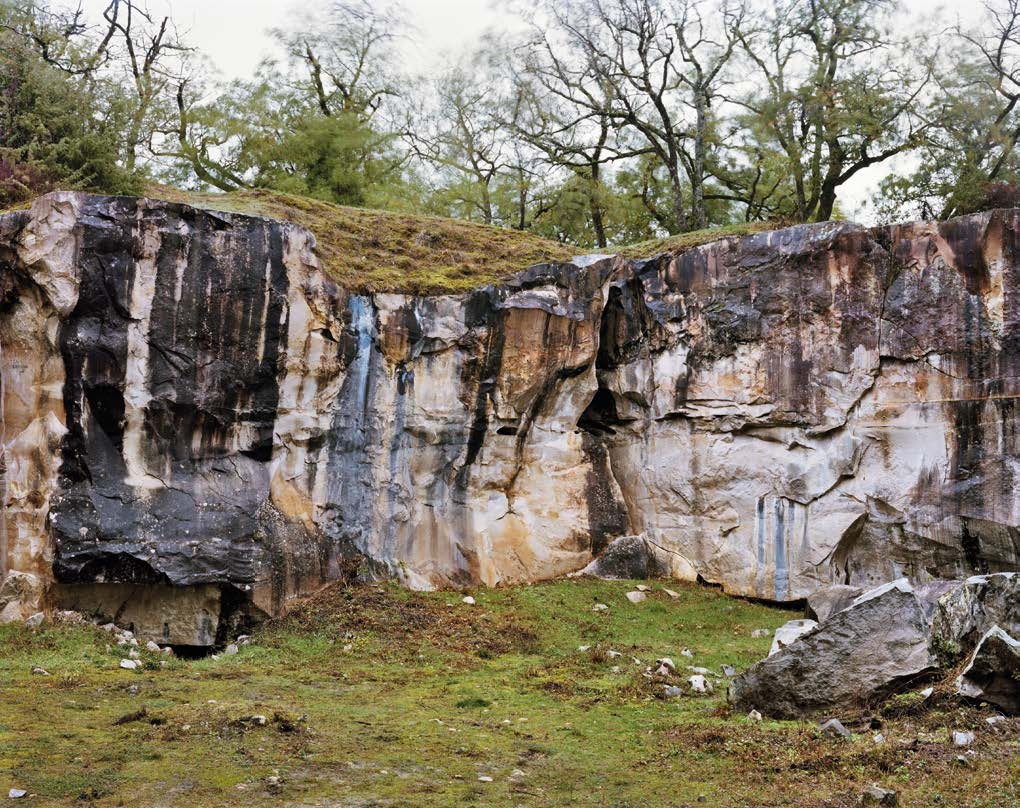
[[380, 251]]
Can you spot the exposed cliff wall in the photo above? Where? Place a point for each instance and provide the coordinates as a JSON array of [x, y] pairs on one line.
[[189, 401]]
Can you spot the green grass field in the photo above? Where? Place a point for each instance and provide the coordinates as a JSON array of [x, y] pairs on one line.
[[377, 696]]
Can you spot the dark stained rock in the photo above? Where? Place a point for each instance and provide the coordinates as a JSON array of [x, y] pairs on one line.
[[626, 558]]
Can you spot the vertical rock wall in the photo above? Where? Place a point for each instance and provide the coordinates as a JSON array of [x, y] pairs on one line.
[[189, 402]]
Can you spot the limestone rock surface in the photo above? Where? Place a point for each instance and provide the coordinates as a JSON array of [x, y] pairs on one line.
[[189, 401]]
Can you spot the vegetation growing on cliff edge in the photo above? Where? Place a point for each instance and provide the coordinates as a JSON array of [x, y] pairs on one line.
[[380, 251], [379, 696]]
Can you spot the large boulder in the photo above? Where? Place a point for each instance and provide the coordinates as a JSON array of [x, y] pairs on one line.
[[859, 654], [993, 674], [625, 558], [830, 599], [963, 615]]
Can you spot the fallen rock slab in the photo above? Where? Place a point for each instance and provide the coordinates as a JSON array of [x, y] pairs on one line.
[[859, 654], [963, 615], [825, 602], [993, 673]]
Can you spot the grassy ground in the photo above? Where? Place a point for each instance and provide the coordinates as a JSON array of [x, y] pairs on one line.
[[377, 696]]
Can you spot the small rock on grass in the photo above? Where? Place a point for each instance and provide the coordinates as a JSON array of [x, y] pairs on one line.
[[470, 601], [151, 646], [754, 716], [16, 793], [484, 778], [962, 738], [834, 729], [876, 795], [672, 594], [672, 691], [35, 620], [230, 650], [128, 664], [761, 632], [643, 588], [699, 684], [992, 720], [729, 671], [37, 671], [686, 652], [600, 607], [636, 596]]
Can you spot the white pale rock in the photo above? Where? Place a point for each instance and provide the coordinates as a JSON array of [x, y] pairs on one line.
[[671, 593], [788, 633], [600, 607], [128, 664], [699, 684], [760, 632], [470, 601], [36, 620], [153, 647], [961, 738], [636, 597], [754, 716]]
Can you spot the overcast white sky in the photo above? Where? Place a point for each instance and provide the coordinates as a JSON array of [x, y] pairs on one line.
[[234, 33]]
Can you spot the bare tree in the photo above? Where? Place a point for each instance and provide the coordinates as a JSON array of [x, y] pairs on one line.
[[651, 66], [837, 94], [346, 53]]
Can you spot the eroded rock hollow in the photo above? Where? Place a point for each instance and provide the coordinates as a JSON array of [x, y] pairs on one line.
[[192, 407]]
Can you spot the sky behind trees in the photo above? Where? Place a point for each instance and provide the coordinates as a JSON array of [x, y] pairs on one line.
[[236, 36], [587, 121]]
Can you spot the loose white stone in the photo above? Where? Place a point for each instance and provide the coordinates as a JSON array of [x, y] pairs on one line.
[[470, 601], [128, 664], [636, 596]]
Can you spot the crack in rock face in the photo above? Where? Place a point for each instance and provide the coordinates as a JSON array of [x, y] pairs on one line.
[[189, 401]]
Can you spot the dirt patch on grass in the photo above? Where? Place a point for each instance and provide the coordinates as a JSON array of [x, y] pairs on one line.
[[409, 619]]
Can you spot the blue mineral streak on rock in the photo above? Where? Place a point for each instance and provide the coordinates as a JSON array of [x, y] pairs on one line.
[[353, 438], [782, 584]]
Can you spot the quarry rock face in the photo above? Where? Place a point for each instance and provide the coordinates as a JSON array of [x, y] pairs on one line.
[[189, 401]]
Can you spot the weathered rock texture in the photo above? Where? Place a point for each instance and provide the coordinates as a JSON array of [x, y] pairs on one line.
[[892, 637], [189, 401], [877, 645]]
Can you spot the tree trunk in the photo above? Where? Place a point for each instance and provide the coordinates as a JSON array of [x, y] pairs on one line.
[[698, 180]]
